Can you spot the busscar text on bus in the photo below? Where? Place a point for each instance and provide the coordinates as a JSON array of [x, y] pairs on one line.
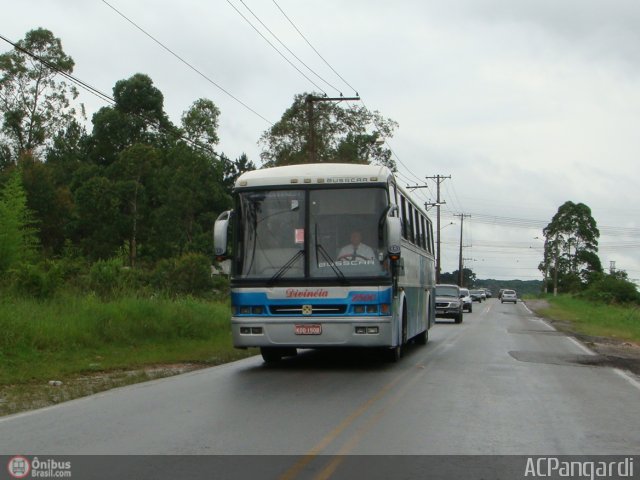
[[327, 255]]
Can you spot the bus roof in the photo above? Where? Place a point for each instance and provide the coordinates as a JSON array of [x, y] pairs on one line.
[[315, 173]]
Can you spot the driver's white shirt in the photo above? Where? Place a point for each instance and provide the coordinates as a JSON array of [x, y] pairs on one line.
[[361, 251]]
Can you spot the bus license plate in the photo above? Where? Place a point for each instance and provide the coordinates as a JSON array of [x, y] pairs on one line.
[[308, 329]]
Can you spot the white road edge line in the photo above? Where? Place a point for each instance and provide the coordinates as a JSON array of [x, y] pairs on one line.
[[627, 377], [586, 350], [526, 308]]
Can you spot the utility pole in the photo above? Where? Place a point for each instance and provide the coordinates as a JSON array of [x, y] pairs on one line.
[[460, 275], [439, 179], [312, 131]]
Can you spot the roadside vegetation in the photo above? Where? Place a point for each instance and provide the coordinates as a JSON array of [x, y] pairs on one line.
[[594, 318], [107, 326]]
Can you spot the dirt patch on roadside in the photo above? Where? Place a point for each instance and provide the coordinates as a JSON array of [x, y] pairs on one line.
[[19, 398], [611, 352]]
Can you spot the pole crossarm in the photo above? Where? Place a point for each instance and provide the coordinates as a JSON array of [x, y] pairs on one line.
[[439, 179]]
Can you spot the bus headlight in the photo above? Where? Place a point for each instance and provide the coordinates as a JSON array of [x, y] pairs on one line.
[[248, 310]]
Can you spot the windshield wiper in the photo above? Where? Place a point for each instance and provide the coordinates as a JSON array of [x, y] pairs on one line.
[[334, 267], [327, 258], [285, 267]]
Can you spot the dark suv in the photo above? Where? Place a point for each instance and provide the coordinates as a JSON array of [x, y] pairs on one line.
[[448, 302]]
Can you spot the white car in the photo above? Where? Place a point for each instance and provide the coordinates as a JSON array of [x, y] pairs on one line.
[[509, 296], [467, 301]]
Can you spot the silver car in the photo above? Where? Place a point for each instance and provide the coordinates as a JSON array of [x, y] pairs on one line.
[[448, 302], [509, 296], [467, 302]]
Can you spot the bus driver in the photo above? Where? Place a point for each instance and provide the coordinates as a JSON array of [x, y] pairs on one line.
[[356, 250]]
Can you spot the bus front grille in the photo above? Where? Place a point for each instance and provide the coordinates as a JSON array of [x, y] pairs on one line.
[[307, 310]]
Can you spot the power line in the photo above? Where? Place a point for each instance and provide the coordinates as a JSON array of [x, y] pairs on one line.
[[313, 48], [185, 62], [103, 96], [275, 48], [288, 49]]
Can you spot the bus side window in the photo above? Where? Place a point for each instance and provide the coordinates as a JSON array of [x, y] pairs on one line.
[[403, 215], [410, 223], [431, 249]]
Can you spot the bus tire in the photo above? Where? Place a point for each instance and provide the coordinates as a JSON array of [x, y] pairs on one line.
[[271, 354], [394, 354], [422, 338]]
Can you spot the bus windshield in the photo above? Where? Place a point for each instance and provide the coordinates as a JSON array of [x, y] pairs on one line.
[[317, 233]]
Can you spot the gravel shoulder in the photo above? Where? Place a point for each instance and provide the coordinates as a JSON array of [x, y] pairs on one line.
[[610, 352]]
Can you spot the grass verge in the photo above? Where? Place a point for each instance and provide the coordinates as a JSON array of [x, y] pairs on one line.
[[599, 320], [69, 347]]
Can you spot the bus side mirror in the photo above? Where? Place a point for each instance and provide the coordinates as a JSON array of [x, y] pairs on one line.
[[220, 230], [394, 236]]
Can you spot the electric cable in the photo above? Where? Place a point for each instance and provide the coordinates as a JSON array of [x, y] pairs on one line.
[[289, 50], [275, 48], [201, 74], [314, 49], [103, 96]]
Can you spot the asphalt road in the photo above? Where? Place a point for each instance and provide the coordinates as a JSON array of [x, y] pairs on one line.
[[502, 382]]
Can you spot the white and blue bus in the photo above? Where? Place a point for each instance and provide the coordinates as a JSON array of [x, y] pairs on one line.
[[327, 255]]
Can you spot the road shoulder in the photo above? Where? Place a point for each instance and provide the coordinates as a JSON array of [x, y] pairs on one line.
[[612, 352]]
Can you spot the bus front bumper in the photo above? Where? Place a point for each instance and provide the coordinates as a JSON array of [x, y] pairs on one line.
[[312, 333]]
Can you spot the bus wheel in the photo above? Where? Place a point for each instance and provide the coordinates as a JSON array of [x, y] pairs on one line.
[[422, 338], [275, 354], [271, 354], [394, 354]]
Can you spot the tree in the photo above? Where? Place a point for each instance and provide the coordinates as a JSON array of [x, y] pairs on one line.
[[51, 204], [341, 134], [137, 117], [233, 169], [468, 277], [200, 122], [34, 101], [18, 236], [130, 173], [98, 227], [571, 246], [188, 194]]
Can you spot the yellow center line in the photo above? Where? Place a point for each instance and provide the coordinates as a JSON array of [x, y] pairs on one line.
[[331, 436], [357, 436], [357, 413]]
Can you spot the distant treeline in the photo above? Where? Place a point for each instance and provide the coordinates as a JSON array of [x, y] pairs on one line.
[[522, 287]]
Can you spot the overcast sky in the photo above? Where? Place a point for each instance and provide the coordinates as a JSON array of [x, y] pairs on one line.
[[525, 104]]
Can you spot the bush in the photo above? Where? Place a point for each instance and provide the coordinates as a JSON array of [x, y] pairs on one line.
[[189, 274], [35, 281], [109, 279], [611, 289]]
